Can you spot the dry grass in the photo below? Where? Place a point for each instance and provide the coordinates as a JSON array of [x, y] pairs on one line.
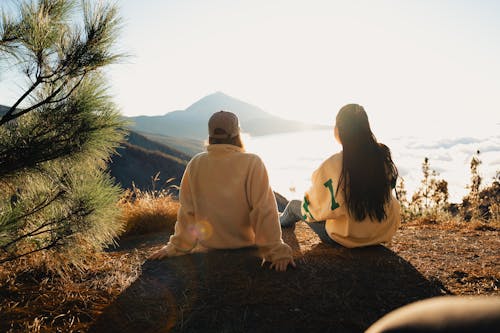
[[452, 255], [40, 293], [145, 212], [445, 221], [36, 300], [450, 258], [462, 258]]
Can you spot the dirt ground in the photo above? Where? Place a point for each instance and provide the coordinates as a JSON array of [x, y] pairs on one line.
[[333, 289]]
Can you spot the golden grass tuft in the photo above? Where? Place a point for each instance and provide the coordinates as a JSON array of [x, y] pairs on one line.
[[148, 211]]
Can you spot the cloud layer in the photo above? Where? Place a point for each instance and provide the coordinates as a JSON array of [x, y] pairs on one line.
[[291, 159]]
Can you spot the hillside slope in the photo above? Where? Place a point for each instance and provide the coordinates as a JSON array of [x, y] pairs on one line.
[[137, 165], [140, 159], [153, 144], [190, 147]]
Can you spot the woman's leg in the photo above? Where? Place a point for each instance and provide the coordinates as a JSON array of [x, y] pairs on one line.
[[291, 214], [319, 229]]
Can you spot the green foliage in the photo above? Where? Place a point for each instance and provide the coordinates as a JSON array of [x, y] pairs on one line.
[[86, 122], [62, 206], [57, 136]]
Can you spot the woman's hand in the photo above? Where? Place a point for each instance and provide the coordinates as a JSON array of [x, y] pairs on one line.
[[281, 265], [160, 254]]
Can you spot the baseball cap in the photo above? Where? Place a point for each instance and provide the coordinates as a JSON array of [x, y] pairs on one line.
[[223, 125]]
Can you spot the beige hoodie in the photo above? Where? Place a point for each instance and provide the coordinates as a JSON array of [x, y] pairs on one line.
[[227, 203], [322, 202]]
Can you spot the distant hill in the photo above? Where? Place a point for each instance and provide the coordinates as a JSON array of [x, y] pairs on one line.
[[139, 166], [192, 122], [3, 109], [140, 159], [188, 146], [144, 155], [160, 145]]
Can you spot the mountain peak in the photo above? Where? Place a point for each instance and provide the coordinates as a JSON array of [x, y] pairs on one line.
[[220, 101], [218, 96], [219, 93], [192, 122]]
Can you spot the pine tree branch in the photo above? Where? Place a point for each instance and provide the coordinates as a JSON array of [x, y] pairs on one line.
[[41, 206], [9, 115], [37, 231], [67, 111], [54, 243], [70, 92], [34, 233], [37, 209], [4, 43]]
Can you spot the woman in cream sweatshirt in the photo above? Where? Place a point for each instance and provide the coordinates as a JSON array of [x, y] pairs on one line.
[[226, 201], [351, 192]]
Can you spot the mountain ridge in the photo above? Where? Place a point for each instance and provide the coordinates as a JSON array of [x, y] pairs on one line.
[[192, 122], [139, 160]]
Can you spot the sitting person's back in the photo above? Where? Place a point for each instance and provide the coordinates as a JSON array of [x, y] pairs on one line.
[[351, 192], [226, 201], [233, 199], [330, 205]]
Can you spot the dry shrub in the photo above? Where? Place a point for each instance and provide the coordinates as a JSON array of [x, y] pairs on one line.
[[429, 217], [484, 222], [495, 214], [447, 221], [148, 211]]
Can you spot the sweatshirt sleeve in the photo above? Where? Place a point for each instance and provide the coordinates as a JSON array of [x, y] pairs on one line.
[[264, 215], [184, 240], [320, 202]]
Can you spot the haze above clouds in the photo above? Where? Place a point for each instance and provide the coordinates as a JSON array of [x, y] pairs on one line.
[[426, 71], [417, 66]]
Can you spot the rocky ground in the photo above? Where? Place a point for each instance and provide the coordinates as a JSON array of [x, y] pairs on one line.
[[333, 289]]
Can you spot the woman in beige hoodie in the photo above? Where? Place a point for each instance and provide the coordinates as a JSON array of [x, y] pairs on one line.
[[226, 201], [351, 198]]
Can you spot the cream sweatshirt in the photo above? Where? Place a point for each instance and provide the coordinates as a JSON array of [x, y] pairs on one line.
[[226, 203], [321, 202]]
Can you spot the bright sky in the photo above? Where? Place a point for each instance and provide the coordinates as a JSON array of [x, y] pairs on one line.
[[420, 66], [424, 68], [420, 63]]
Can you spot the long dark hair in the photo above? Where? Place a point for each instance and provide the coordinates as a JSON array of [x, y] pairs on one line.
[[368, 172]]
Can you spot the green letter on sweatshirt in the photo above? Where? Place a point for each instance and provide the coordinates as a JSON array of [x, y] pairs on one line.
[[306, 209], [329, 184]]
